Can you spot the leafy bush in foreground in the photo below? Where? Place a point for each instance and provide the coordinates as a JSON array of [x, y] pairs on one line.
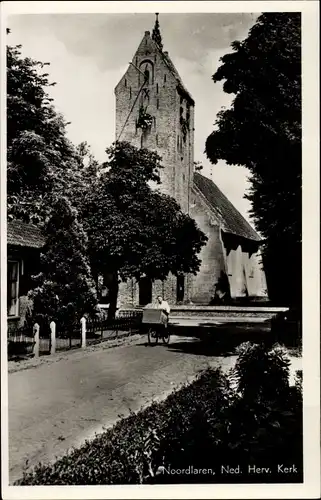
[[205, 424]]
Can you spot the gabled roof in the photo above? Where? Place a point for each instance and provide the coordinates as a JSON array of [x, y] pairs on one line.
[[176, 75], [167, 61], [230, 218], [24, 235]]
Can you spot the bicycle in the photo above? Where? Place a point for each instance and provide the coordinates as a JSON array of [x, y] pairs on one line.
[[155, 333], [153, 319]]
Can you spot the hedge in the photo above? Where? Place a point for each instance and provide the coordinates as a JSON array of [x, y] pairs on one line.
[[205, 425]]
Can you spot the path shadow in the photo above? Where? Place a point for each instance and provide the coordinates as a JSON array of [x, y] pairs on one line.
[[214, 340], [197, 346], [200, 347]]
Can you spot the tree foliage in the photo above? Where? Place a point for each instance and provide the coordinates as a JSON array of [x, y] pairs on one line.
[[64, 289], [47, 178], [42, 163], [133, 229], [262, 131]]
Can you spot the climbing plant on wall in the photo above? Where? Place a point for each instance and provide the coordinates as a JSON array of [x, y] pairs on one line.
[[144, 120]]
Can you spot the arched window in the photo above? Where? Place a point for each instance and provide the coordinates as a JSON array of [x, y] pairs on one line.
[[146, 65]]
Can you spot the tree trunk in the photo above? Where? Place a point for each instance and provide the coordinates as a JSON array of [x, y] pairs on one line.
[[113, 294]]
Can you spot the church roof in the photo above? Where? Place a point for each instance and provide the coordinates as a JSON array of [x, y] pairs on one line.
[[157, 39], [24, 235], [230, 218], [167, 60]]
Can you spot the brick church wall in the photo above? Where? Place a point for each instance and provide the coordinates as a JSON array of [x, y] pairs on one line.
[[211, 255]]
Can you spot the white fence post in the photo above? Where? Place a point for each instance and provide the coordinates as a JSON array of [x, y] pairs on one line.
[[83, 331], [36, 347], [53, 337]]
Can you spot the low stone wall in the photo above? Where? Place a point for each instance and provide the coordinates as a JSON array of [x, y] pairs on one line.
[[224, 311]]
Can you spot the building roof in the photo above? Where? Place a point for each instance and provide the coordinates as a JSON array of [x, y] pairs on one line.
[[157, 39], [230, 218], [24, 235], [176, 75]]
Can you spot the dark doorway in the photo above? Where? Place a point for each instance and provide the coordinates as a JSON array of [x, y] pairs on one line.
[[180, 286], [145, 291]]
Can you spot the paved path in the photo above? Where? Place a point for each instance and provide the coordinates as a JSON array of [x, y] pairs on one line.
[[57, 405]]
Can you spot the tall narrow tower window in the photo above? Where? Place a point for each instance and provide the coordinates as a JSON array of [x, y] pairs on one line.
[[130, 92], [164, 78], [125, 82], [146, 73], [156, 139], [157, 104], [156, 88]]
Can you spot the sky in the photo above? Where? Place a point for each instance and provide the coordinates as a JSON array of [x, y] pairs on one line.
[[89, 53]]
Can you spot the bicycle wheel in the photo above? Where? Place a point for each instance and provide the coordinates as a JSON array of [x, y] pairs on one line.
[[152, 336], [166, 337]]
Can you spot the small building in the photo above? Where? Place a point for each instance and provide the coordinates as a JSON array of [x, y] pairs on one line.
[[24, 242]]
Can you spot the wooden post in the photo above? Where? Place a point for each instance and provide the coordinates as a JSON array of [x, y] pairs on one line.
[[83, 331], [53, 337], [36, 347]]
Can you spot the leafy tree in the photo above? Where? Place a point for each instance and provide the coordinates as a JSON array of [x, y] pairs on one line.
[[47, 180], [40, 158], [132, 229], [64, 288], [262, 131]]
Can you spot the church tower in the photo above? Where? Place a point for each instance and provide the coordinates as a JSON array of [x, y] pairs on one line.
[[155, 111]]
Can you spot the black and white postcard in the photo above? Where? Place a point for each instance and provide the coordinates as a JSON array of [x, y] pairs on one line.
[[159, 250]]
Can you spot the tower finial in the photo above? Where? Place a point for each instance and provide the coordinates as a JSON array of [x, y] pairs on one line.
[[156, 35]]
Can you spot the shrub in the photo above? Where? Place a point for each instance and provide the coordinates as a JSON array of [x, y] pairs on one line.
[[261, 373], [64, 288], [18, 349], [266, 414]]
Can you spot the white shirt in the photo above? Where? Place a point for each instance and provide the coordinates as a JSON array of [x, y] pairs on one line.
[[164, 306]]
